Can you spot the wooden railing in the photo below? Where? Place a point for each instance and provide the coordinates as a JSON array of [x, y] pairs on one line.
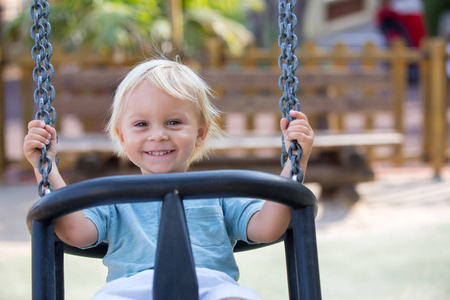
[[433, 80], [430, 58]]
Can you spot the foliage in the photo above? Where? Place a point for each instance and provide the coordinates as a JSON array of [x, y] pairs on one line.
[[203, 23], [129, 26], [234, 9]]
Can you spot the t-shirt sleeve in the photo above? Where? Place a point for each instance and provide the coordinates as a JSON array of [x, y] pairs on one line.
[[100, 216], [237, 213]]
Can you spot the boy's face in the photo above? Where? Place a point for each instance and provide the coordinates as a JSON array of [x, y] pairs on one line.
[[159, 132]]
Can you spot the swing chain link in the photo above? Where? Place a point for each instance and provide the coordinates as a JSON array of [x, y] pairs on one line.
[[288, 82], [43, 73]]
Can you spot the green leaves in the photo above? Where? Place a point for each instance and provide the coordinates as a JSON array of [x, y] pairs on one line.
[[206, 22], [234, 9], [128, 26]]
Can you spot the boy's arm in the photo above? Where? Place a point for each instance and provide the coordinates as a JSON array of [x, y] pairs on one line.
[[270, 223], [73, 229]]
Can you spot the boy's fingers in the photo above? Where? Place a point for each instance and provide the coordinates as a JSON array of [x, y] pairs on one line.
[[36, 123], [33, 144], [51, 131], [299, 123], [298, 114], [284, 124], [37, 137], [34, 132]]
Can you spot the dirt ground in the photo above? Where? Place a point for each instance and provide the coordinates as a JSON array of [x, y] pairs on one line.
[[401, 202]]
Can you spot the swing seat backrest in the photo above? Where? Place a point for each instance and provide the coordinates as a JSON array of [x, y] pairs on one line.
[[174, 264]]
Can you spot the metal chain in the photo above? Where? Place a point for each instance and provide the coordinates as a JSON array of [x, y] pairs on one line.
[[288, 82], [42, 75]]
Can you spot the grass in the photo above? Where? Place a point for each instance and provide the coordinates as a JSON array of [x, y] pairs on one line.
[[401, 264], [83, 277], [392, 264], [405, 264]]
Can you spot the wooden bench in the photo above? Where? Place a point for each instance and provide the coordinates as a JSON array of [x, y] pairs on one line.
[[249, 99], [340, 156]]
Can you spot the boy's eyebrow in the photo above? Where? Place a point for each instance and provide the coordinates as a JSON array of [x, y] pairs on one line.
[[140, 114]]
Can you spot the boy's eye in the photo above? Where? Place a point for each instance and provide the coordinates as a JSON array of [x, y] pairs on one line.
[[140, 124], [173, 122]]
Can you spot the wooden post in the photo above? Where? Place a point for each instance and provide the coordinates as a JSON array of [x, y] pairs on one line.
[[399, 72], [369, 64], [311, 57], [214, 49], [2, 120], [27, 87], [176, 16], [425, 87], [307, 52], [438, 109], [339, 63]]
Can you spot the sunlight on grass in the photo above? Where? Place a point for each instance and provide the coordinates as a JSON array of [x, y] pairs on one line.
[[401, 264], [394, 264], [83, 277]]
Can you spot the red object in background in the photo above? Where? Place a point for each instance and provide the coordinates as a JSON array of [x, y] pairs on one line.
[[408, 26]]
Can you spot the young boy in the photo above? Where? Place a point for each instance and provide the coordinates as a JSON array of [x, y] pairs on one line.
[[162, 120]]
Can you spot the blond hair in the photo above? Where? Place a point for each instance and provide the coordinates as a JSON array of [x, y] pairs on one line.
[[177, 80]]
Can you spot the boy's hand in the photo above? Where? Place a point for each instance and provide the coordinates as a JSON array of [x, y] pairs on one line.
[[300, 130], [272, 220], [39, 135]]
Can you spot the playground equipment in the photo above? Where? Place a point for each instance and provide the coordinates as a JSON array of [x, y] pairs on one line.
[[174, 265]]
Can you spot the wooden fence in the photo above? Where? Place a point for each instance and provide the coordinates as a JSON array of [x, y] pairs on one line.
[[430, 61], [430, 58], [436, 111]]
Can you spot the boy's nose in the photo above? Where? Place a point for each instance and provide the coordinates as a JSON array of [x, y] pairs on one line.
[[158, 135]]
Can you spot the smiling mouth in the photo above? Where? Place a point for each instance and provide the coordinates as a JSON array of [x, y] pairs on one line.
[[160, 153]]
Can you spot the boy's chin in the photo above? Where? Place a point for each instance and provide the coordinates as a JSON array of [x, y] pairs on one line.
[[162, 171]]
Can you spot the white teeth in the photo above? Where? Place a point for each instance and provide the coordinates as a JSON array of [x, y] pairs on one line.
[[158, 153]]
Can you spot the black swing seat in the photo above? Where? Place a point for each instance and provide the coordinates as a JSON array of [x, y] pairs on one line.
[[174, 263]]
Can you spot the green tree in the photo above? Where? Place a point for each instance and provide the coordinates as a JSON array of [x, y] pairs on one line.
[[134, 26]]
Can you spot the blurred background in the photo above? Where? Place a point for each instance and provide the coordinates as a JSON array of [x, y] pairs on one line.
[[373, 79]]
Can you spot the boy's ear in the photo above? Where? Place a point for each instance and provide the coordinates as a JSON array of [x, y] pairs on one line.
[[201, 135], [119, 135]]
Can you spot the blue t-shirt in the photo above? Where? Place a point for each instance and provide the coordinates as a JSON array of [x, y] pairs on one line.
[[131, 231]]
